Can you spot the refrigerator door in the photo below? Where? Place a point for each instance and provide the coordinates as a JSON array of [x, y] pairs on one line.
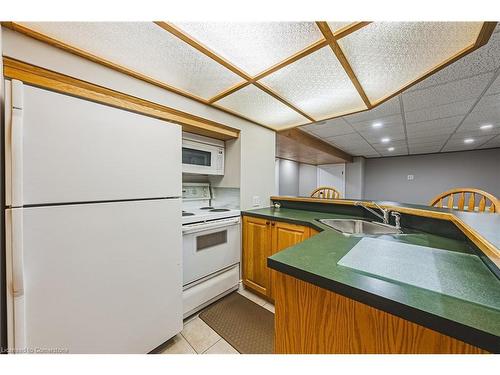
[[94, 278], [75, 150]]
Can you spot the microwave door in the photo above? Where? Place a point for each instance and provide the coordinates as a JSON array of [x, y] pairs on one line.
[[200, 158]]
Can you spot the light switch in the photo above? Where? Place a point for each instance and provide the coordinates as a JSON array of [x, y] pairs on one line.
[[411, 177]]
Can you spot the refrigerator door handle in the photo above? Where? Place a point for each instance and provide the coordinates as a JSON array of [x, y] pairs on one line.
[[17, 143], [17, 253]]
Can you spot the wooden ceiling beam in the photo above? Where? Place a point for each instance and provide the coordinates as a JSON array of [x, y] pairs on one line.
[[172, 29], [332, 40], [485, 33], [275, 95], [304, 139], [339, 34], [206, 51]]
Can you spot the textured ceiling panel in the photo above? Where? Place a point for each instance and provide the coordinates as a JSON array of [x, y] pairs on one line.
[[449, 92], [438, 112], [145, 48], [337, 26], [330, 128], [318, 85], [482, 60], [253, 46], [255, 104], [403, 51], [386, 109]]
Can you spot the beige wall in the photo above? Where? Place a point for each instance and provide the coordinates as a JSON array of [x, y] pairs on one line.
[[256, 145]]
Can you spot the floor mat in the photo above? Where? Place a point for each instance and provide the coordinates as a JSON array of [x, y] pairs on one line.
[[248, 327]]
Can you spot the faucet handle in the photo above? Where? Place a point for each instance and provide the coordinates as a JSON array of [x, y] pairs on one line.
[[397, 218]]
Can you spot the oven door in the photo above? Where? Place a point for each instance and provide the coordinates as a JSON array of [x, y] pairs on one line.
[[209, 247], [201, 158]]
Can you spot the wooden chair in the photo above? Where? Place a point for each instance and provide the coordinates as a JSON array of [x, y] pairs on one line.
[[469, 195], [325, 192]]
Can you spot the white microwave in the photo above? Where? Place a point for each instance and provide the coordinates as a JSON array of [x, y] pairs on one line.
[[202, 155]]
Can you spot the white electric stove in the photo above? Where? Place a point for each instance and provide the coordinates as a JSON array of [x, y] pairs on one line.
[[211, 248]]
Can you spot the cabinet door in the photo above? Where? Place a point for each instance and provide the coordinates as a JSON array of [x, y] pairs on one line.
[[285, 235], [256, 248]]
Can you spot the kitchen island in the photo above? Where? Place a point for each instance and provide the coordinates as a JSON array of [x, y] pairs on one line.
[[325, 307]]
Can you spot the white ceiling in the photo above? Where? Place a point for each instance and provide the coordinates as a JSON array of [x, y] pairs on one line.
[[238, 66], [436, 115]]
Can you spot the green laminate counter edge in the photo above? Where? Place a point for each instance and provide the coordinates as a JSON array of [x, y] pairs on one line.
[[315, 261]]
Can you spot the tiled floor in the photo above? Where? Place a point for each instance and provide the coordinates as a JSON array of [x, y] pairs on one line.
[[198, 338]]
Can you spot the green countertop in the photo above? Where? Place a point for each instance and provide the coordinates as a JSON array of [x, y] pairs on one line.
[[315, 260]]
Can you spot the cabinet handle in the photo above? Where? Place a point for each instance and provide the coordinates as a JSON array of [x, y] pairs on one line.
[[273, 223], [267, 222]]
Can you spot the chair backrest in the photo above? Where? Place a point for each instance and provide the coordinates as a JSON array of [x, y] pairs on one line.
[[477, 200], [325, 192]]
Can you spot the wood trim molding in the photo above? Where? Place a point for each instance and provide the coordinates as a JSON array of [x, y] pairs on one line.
[[64, 84], [108, 64], [206, 51], [491, 251], [485, 33], [306, 139], [339, 34], [172, 29], [332, 41]]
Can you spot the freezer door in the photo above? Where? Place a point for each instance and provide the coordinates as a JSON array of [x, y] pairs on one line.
[[94, 278], [75, 150]]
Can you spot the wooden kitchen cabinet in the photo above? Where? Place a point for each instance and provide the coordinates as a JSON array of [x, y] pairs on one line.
[[261, 239]]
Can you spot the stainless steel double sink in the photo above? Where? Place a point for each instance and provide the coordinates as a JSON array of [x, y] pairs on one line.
[[358, 227]]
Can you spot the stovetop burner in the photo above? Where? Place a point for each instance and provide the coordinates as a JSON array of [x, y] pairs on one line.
[[187, 213], [219, 209], [207, 208]]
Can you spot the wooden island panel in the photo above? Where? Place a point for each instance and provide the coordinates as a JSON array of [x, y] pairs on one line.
[[310, 319]]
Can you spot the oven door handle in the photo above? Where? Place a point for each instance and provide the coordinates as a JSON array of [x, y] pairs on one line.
[[188, 229]]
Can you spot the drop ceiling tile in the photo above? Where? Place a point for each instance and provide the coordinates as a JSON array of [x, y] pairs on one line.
[[425, 150], [147, 49], [348, 140], [376, 138], [384, 110], [427, 141], [330, 128], [434, 127], [255, 104], [391, 50], [440, 111], [387, 122], [475, 127], [487, 102], [317, 84], [482, 60], [494, 142], [480, 117], [396, 152], [457, 144], [476, 135], [495, 86], [397, 144], [461, 90], [253, 46]]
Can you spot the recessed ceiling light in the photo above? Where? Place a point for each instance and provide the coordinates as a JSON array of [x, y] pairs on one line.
[[468, 140], [390, 149], [486, 127], [377, 125], [385, 140]]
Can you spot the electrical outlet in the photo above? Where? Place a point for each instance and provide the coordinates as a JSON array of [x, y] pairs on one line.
[[411, 177], [256, 200]]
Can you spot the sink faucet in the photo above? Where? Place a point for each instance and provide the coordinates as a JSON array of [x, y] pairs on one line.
[[385, 212]]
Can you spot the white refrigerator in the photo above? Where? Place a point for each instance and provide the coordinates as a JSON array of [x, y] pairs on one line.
[[93, 226]]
